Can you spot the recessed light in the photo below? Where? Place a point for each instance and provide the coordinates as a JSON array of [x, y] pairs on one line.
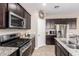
[[56, 6], [44, 4]]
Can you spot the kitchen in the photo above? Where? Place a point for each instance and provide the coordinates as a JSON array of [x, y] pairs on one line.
[[14, 22], [27, 29]]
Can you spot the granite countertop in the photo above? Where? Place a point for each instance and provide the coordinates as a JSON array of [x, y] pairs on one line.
[[6, 51], [73, 52]]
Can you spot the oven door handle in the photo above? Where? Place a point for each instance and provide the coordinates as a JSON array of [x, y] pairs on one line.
[[26, 48]]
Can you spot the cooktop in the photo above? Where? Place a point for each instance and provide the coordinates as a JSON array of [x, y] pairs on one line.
[[15, 43]]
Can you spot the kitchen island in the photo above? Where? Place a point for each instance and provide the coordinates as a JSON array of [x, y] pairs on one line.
[[7, 51], [61, 49]]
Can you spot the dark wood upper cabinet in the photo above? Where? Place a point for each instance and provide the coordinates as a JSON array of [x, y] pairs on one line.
[[3, 10], [16, 8], [20, 10], [71, 21], [28, 20], [25, 16], [12, 7]]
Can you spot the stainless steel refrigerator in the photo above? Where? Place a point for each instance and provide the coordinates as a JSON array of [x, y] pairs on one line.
[[61, 30]]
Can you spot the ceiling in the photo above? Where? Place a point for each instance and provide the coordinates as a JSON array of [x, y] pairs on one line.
[[65, 8]]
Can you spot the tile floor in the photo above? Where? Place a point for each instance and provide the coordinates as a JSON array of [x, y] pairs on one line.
[[48, 50]]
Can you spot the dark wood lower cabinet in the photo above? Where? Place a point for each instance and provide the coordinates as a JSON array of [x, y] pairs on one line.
[[27, 20], [33, 45], [60, 50], [57, 50], [14, 53], [50, 39]]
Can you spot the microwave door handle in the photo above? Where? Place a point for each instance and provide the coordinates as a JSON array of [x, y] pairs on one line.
[[23, 23]]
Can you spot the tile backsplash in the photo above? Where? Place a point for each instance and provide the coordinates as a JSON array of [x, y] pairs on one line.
[[22, 31]]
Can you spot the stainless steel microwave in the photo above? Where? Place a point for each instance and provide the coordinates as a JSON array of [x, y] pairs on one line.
[[16, 21]]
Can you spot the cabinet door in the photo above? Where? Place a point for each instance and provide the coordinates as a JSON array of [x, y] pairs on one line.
[[33, 44], [60, 51], [12, 7], [57, 49], [57, 52], [20, 10], [16, 8], [48, 40], [28, 20], [48, 24], [52, 40], [62, 54], [3, 15]]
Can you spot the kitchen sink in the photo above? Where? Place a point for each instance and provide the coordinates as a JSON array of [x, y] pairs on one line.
[[65, 42], [70, 44]]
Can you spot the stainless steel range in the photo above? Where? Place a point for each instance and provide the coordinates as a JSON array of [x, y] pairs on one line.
[[13, 40]]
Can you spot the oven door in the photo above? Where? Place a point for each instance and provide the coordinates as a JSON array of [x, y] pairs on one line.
[[26, 49], [16, 21]]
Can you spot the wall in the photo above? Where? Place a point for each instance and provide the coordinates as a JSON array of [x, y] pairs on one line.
[[38, 28], [75, 15], [41, 33], [34, 18]]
